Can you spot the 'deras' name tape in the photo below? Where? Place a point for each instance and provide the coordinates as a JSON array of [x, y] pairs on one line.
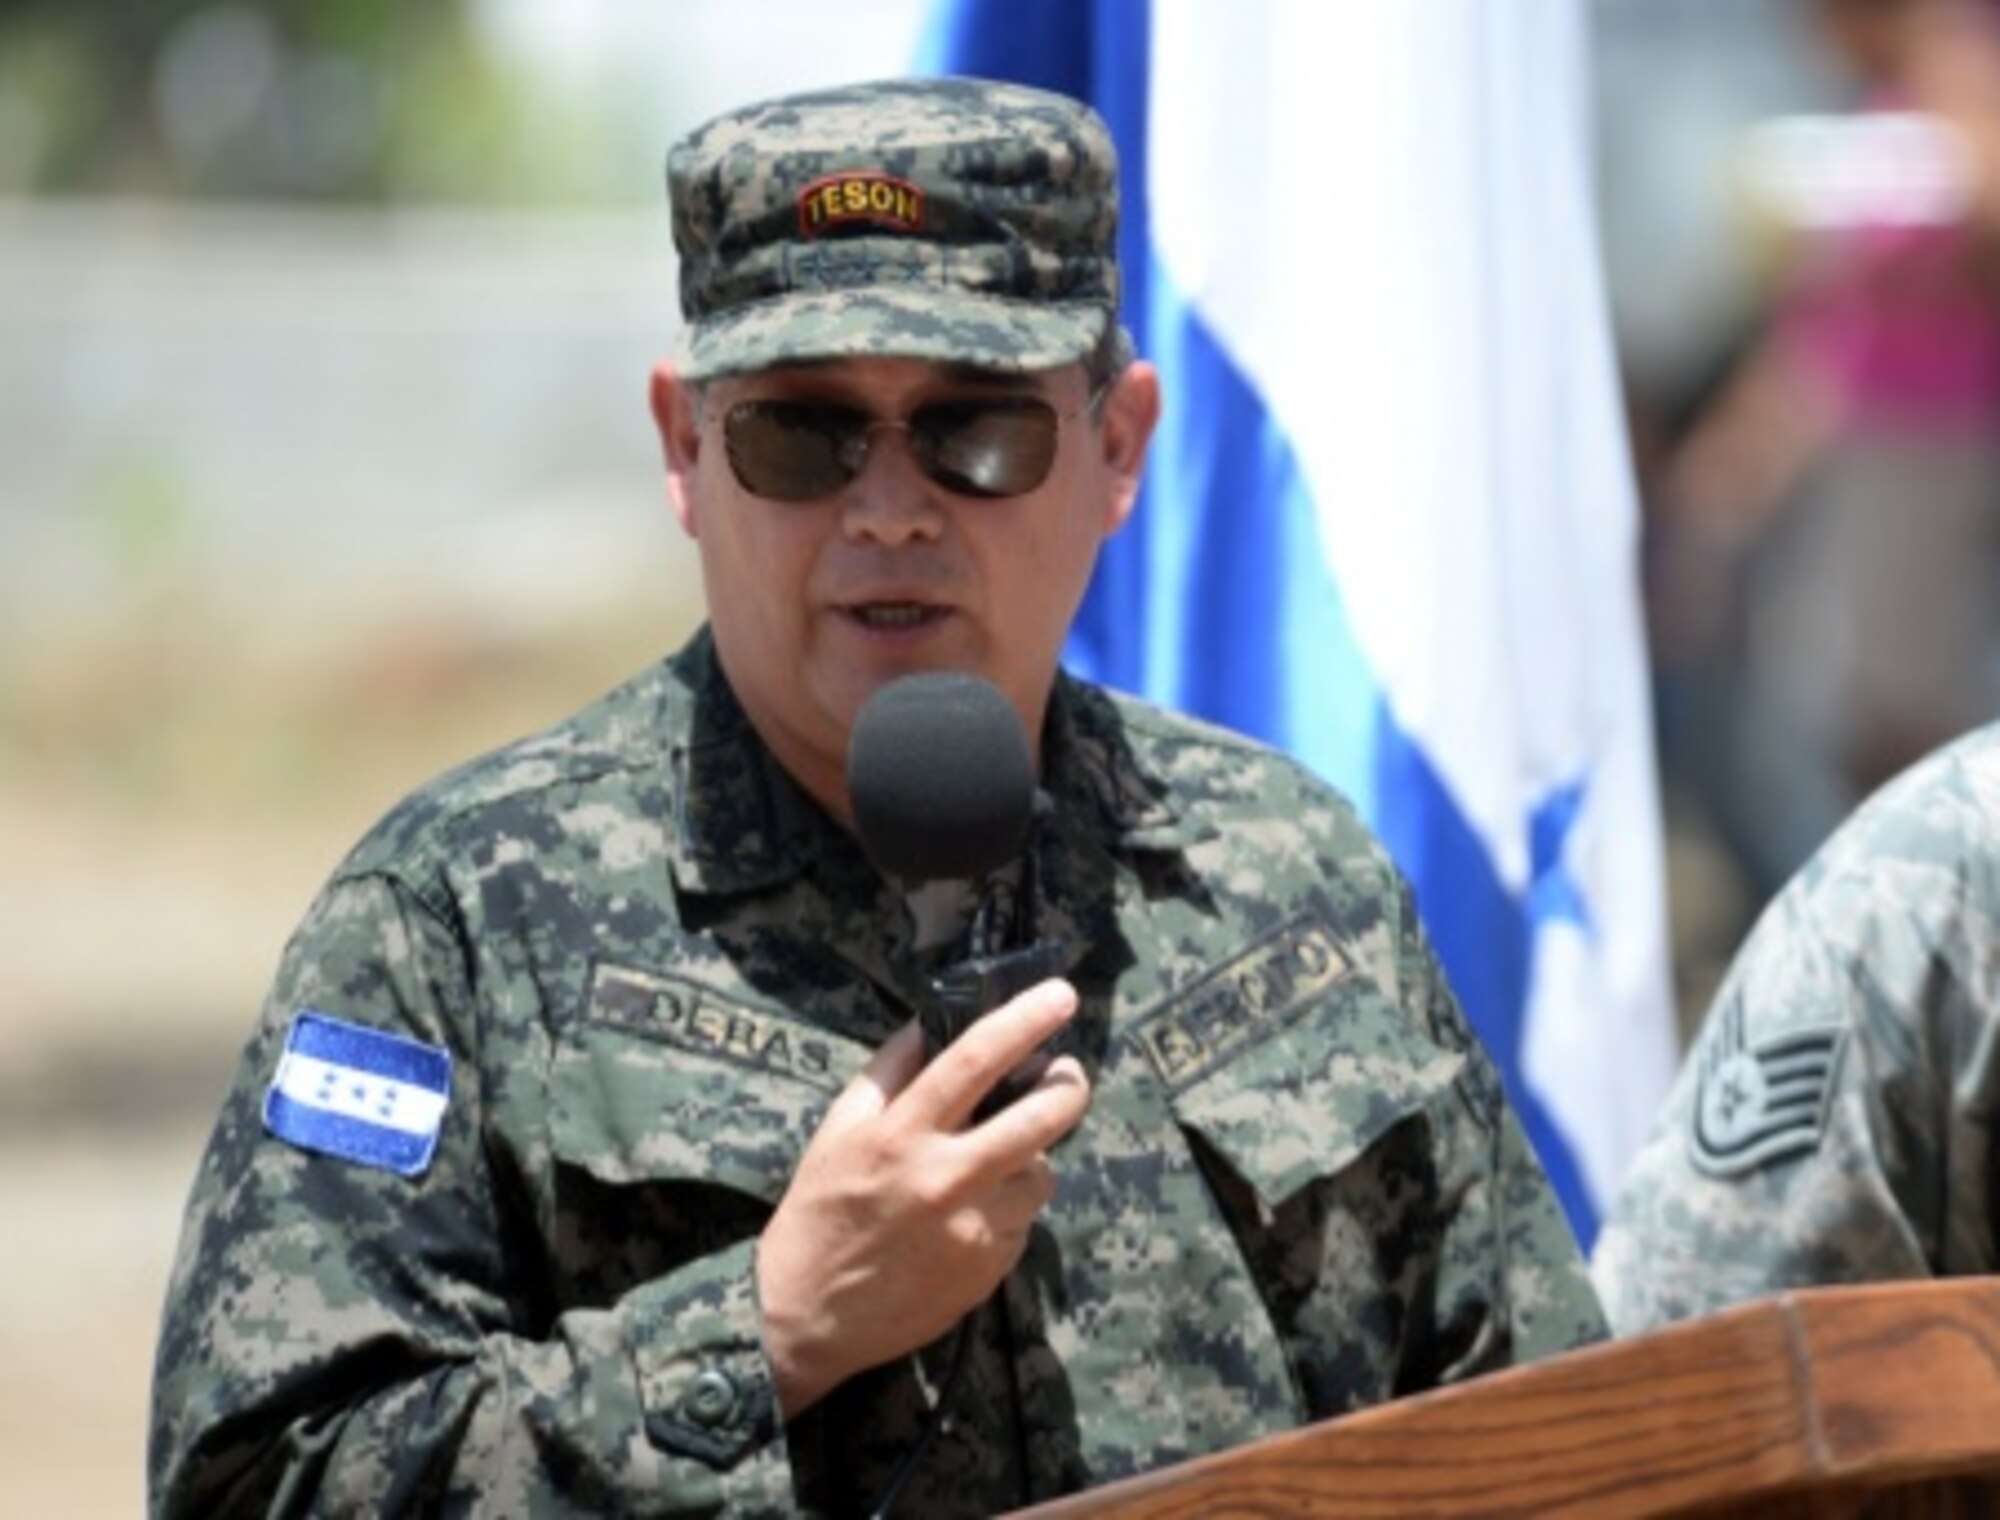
[[358, 1094], [698, 1018]]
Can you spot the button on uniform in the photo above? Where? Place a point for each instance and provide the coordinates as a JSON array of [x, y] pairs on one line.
[[710, 1397]]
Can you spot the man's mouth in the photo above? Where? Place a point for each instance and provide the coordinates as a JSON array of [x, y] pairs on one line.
[[895, 616]]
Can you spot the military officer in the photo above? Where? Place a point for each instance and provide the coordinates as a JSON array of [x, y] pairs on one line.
[[586, 1157]]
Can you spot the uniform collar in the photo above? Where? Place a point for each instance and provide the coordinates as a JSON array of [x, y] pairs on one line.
[[743, 824], [1097, 779]]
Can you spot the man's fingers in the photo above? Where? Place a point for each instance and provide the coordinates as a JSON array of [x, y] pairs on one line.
[[1016, 1200], [899, 1059], [1032, 1123], [1001, 1217], [895, 1063], [967, 1069]]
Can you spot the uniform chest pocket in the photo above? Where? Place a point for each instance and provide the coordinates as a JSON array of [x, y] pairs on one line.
[[629, 1108], [1307, 1100], [664, 1155], [1326, 1145]]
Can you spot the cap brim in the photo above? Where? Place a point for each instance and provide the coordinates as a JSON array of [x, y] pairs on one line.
[[989, 332]]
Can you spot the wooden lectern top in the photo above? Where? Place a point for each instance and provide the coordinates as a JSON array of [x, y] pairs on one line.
[[1881, 1400]]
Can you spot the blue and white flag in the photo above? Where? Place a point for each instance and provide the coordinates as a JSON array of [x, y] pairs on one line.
[[1389, 523], [360, 1094]]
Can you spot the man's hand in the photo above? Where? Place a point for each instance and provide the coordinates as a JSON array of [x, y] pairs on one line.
[[901, 1219]]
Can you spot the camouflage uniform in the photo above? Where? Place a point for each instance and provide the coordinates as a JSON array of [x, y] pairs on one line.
[[654, 962], [1835, 1122], [639, 963]]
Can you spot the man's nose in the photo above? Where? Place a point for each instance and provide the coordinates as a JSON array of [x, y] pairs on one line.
[[890, 500]]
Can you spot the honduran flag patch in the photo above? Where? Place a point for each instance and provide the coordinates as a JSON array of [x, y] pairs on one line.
[[360, 1094]]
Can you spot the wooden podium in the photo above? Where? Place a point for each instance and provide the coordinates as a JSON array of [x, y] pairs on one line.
[[1870, 1401]]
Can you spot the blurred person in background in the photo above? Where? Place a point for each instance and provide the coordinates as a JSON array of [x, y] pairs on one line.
[[1834, 513], [586, 1158], [1835, 1120]]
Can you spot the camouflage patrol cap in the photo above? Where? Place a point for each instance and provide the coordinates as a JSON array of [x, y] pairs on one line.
[[949, 219]]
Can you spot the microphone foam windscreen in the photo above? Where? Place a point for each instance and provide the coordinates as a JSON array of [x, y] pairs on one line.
[[940, 777]]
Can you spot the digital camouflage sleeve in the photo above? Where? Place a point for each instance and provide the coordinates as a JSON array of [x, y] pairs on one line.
[[1835, 1122], [650, 965]]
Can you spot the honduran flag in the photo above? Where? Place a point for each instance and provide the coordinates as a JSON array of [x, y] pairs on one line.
[[1388, 523]]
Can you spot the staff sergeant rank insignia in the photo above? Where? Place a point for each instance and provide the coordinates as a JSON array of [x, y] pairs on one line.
[[1758, 1104], [880, 199]]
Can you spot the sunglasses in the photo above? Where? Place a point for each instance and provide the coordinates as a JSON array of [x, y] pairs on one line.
[[806, 450]]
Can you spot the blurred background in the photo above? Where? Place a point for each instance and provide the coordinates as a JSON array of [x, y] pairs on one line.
[[325, 463]]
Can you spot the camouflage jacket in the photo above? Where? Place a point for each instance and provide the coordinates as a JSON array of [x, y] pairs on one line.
[[1836, 1120], [653, 963]]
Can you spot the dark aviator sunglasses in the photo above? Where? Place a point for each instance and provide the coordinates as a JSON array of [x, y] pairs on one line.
[[806, 450]]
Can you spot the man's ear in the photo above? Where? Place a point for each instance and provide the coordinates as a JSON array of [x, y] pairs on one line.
[[677, 414], [1131, 412]]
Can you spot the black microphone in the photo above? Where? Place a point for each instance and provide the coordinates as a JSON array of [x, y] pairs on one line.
[[940, 778], [943, 789]]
